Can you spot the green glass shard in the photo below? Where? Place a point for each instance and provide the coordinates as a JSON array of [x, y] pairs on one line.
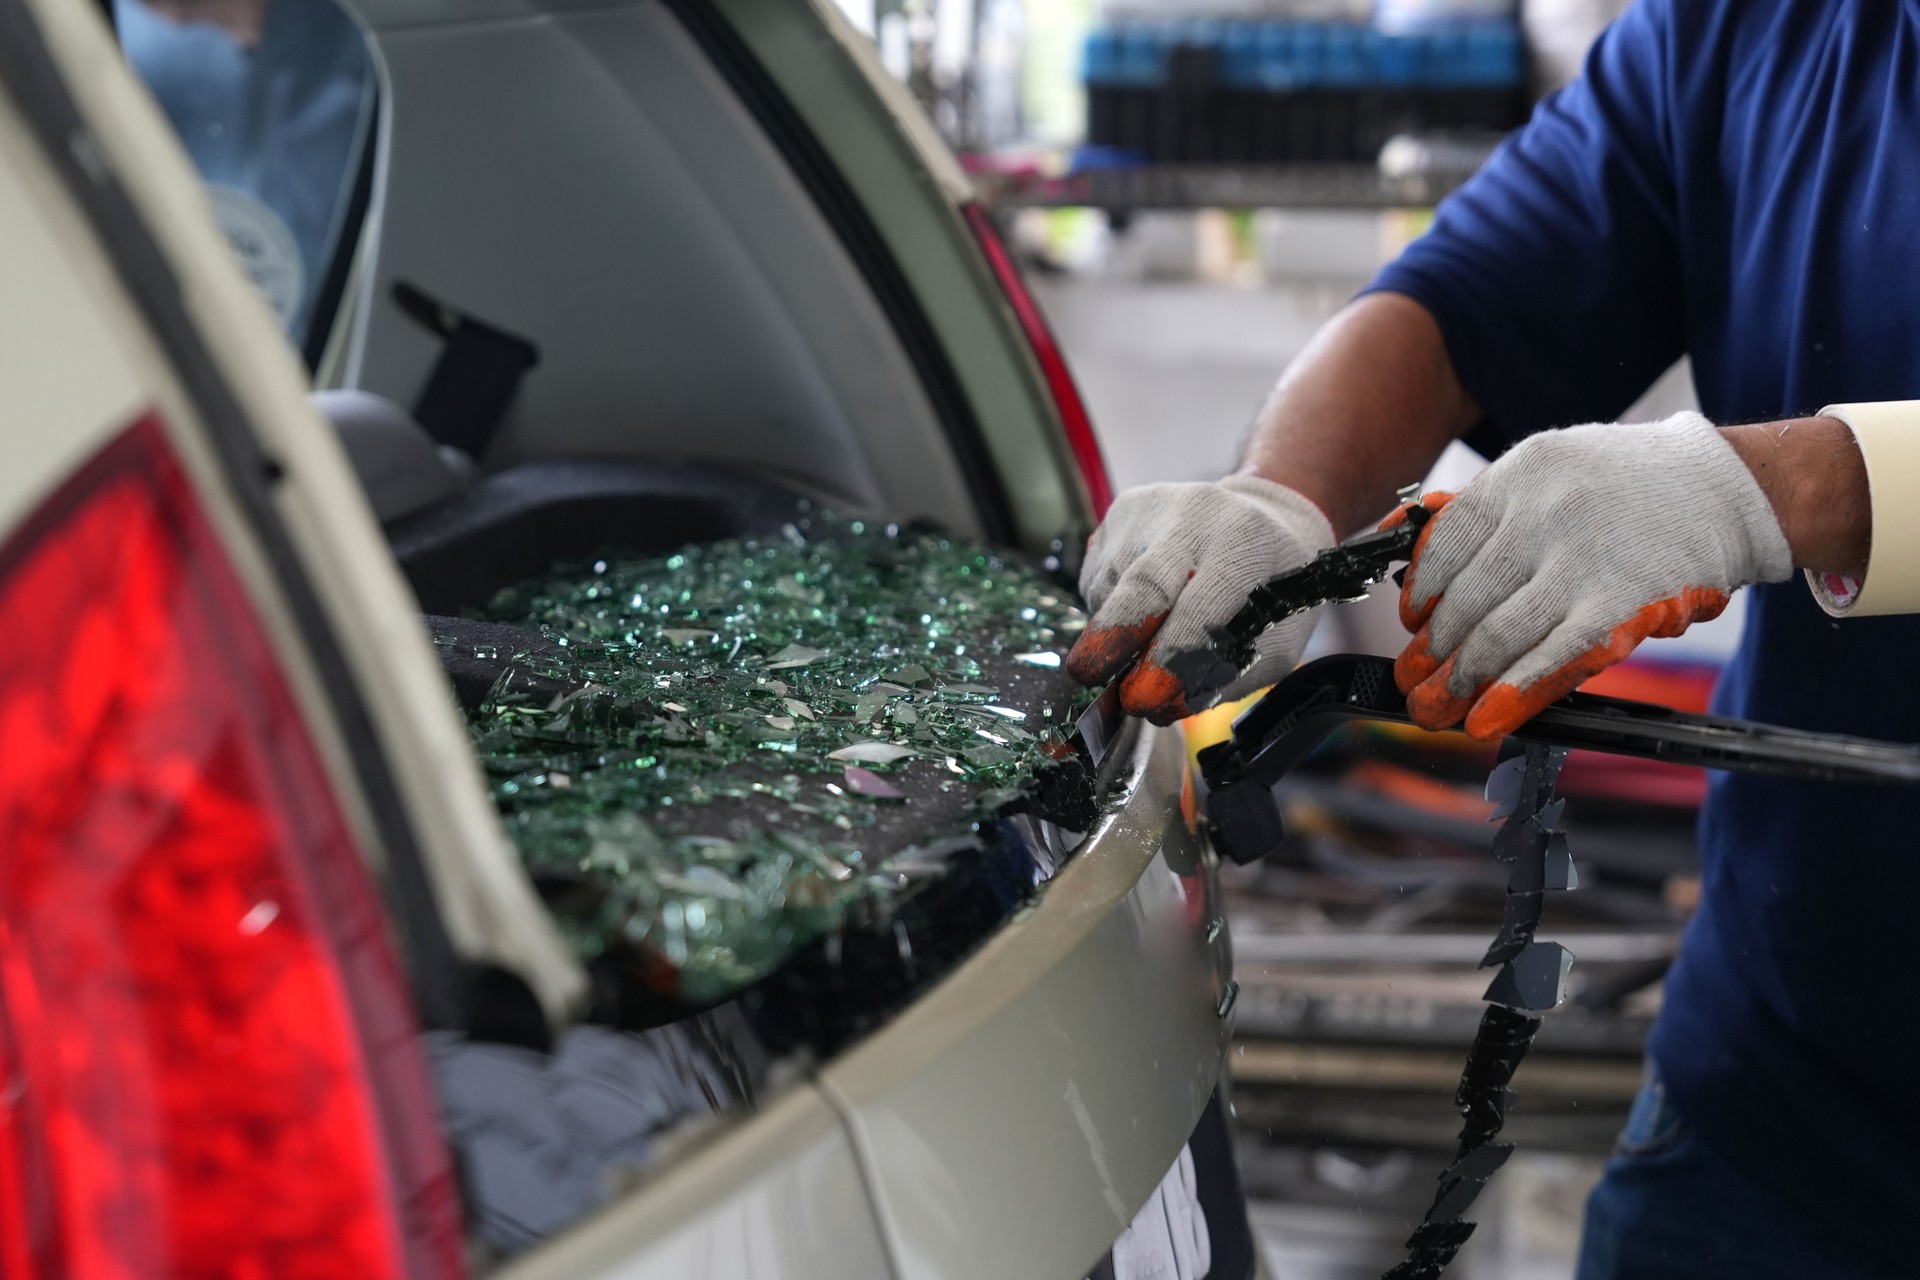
[[742, 714]]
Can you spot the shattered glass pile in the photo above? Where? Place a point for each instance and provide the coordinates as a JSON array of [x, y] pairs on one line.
[[761, 736]]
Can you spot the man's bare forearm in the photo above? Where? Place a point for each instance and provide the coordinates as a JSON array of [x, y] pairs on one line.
[[1813, 475], [1364, 410]]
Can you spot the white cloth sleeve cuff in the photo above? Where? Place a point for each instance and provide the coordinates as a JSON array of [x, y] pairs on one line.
[[1888, 433]]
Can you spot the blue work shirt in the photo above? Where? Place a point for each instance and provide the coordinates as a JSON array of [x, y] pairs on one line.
[[1740, 182]]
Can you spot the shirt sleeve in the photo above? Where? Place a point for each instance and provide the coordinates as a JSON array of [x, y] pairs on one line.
[[1554, 272], [1888, 434]]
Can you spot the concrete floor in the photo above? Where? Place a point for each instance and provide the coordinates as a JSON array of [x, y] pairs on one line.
[[1173, 373], [1529, 1229]]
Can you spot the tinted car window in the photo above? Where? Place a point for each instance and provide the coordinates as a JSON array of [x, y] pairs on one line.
[[274, 101]]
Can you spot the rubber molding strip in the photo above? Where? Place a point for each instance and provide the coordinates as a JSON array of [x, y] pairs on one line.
[[324, 315]]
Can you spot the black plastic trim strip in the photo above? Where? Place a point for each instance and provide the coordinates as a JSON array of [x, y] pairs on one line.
[[854, 227], [324, 316], [1285, 726], [31, 78]]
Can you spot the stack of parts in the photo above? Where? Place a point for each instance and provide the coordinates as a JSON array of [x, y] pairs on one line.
[[1281, 90]]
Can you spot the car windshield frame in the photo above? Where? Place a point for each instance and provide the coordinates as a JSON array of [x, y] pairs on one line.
[[301, 79]]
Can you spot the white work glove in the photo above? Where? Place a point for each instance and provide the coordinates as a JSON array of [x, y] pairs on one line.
[[1173, 560], [1565, 554]]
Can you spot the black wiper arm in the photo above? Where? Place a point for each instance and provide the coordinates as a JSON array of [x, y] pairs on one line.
[[1281, 729], [1338, 574]]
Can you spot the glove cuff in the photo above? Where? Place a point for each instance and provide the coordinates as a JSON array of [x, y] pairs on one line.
[[1292, 510], [1732, 486]]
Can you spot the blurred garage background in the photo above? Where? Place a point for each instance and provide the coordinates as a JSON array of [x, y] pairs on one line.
[[1195, 186]]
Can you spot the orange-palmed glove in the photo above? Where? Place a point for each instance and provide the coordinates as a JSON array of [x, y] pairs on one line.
[[1174, 561], [1560, 558]]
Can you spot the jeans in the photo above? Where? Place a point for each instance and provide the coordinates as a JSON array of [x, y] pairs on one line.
[[1668, 1208]]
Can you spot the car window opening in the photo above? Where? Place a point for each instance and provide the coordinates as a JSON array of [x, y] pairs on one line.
[[274, 102]]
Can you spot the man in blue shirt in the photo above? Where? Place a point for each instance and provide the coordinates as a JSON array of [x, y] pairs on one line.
[[1739, 183]]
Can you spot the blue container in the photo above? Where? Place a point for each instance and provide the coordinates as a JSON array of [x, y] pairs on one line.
[[1344, 60], [1277, 68], [1441, 57], [1310, 54], [1201, 90], [1143, 55], [1240, 56], [1400, 61], [1493, 57], [1100, 58], [1203, 33]]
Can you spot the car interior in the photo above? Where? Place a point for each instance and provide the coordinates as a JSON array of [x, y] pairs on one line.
[[685, 296]]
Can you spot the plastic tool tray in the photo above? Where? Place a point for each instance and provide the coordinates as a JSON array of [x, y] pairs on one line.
[[790, 751]]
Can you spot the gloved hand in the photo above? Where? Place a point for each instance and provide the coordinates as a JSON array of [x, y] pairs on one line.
[[1565, 554], [1173, 560]]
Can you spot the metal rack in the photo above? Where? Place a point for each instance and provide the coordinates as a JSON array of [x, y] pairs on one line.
[[1198, 186]]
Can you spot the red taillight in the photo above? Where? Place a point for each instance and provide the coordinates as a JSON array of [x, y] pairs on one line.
[[210, 1066], [1066, 396]]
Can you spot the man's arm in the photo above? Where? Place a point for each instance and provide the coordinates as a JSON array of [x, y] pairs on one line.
[[1558, 560], [1367, 408], [1843, 484], [1816, 481], [1369, 405], [1364, 411], [1578, 545], [1600, 540]]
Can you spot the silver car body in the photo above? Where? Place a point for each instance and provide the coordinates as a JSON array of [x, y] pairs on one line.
[[1010, 1121]]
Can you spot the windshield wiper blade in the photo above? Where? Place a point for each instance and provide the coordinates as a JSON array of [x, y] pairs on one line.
[[1281, 729]]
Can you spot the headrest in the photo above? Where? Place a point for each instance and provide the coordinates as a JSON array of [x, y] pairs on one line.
[[400, 466]]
